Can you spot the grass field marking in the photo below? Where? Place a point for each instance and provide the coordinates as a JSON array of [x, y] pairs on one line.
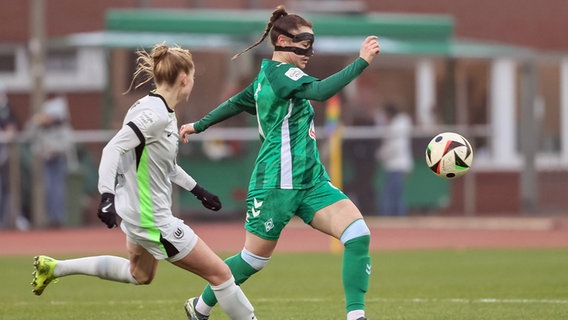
[[551, 301], [315, 300], [91, 303], [482, 300]]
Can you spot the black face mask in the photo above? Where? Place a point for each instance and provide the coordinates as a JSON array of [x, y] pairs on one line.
[[304, 36]]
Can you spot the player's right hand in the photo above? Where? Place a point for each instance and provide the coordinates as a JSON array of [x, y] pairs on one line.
[[185, 130], [370, 48], [208, 200], [107, 211]]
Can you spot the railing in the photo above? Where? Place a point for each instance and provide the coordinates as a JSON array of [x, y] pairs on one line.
[[100, 137]]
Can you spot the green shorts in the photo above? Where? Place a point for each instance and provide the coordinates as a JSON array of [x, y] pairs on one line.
[[270, 210]]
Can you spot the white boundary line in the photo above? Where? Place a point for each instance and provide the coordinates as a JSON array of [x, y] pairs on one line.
[[481, 300], [315, 300]]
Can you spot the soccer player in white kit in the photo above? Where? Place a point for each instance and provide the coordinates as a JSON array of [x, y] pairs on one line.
[[136, 172]]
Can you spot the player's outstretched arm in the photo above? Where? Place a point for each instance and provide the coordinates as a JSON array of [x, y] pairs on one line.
[[242, 101]]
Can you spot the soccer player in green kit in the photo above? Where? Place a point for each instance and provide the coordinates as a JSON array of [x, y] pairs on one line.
[[289, 178]]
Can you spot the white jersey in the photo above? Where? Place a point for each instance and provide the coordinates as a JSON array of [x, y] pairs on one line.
[[139, 164]]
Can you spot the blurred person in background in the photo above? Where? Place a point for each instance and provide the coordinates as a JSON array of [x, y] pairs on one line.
[[8, 128], [289, 178], [395, 157], [51, 139], [137, 171]]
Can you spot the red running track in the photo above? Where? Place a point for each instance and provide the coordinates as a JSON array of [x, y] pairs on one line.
[[387, 234]]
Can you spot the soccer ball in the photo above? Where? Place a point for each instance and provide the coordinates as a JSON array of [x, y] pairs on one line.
[[449, 155]]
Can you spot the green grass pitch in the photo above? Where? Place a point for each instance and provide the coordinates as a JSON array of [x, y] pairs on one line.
[[439, 284]]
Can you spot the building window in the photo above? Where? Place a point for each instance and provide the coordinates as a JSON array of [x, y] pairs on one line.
[[7, 62], [62, 60]]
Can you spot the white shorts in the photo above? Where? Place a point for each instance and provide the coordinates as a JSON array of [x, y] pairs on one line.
[[171, 242]]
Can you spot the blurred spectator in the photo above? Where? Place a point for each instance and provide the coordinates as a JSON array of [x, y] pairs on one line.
[[51, 139], [395, 156], [8, 127]]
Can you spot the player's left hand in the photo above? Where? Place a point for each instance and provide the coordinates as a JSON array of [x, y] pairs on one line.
[[370, 48], [208, 200], [185, 130]]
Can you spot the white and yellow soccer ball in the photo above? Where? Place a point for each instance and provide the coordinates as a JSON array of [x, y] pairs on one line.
[[449, 155]]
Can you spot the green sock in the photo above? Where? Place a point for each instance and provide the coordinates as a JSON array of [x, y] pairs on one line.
[[241, 271], [356, 271]]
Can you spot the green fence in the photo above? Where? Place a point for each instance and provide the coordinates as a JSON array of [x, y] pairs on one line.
[[229, 178]]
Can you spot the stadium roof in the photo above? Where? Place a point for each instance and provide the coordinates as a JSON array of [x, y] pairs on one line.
[[247, 23], [400, 34]]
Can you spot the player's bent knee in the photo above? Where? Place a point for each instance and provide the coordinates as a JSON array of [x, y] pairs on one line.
[[256, 262], [225, 273], [219, 274], [355, 230]]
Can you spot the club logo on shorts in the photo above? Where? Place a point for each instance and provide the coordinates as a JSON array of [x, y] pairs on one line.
[[268, 225], [178, 233]]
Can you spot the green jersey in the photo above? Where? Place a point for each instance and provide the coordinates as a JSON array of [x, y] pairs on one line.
[[288, 157], [279, 96]]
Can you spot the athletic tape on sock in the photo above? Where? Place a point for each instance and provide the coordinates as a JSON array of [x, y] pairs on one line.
[[356, 229], [257, 262]]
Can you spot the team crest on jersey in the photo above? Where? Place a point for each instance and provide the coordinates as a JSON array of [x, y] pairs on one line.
[[294, 73]]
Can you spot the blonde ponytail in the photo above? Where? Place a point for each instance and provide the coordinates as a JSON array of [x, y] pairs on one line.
[[162, 64]]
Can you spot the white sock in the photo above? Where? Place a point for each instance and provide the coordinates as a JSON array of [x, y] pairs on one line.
[[203, 307], [233, 301], [105, 267], [355, 314]]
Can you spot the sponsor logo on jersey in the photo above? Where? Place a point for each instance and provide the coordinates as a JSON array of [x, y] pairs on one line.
[[368, 269], [295, 73]]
